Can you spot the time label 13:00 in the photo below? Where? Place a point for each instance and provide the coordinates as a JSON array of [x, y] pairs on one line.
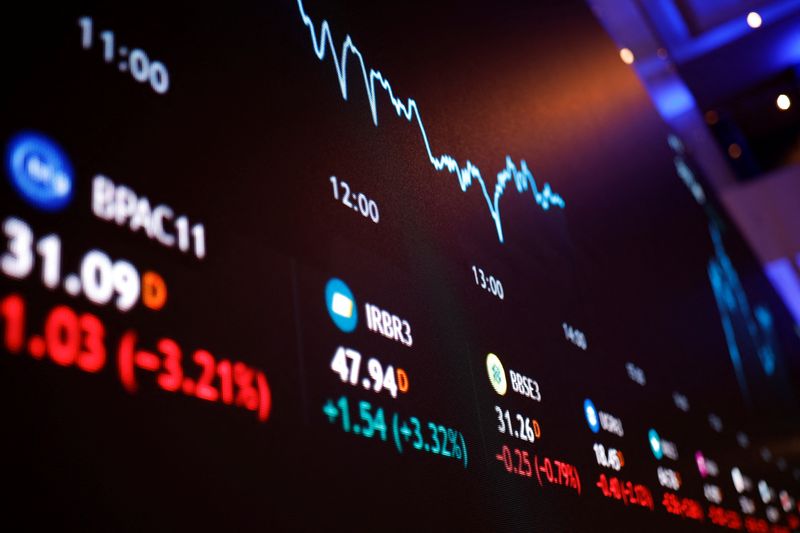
[[488, 282]]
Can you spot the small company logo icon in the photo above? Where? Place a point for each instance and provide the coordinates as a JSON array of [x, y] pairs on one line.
[[655, 443], [591, 415], [497, 374], [341, 305], [40, 171]]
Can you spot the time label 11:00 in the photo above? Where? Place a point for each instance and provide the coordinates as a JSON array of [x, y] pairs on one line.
[[358, 202], [135, 60]]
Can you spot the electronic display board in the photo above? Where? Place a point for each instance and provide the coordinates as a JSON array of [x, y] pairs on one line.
[[305, 265]]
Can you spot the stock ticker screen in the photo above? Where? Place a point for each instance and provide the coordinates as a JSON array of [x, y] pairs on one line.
[[360, 266]]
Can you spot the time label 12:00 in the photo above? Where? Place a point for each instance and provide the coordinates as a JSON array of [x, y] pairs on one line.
[[356, 201]]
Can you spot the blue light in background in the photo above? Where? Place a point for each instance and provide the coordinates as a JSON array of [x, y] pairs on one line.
[[788, 51], [673, 29], [784, 278], [671, 96]]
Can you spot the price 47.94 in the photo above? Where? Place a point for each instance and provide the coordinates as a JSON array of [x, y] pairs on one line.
[[346, 363]]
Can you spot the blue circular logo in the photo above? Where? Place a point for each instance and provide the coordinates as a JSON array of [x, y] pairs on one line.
[[341, 305], [591, 415], [40, 171]]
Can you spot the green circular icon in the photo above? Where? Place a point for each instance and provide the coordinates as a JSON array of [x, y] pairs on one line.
[[497, 374]]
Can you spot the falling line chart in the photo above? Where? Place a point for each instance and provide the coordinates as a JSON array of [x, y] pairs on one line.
[[467, 173]]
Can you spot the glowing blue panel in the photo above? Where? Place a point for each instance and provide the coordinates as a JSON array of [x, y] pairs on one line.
[[784, 278]]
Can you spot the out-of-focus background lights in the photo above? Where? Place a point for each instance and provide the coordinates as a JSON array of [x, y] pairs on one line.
[[627, 56], [754, 20]]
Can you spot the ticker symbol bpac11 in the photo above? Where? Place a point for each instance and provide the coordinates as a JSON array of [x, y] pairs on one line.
[[341, 305], [497, 374], [40, 171]]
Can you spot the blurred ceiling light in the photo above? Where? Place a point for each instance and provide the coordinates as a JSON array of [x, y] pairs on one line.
[[783, 102], [735, 151], [754, 20], [626, 55]]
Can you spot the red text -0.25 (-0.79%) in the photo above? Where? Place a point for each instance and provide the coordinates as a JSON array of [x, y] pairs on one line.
[[545, 470]]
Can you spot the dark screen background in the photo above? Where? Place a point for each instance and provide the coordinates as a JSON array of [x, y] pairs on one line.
[[245, 140]]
